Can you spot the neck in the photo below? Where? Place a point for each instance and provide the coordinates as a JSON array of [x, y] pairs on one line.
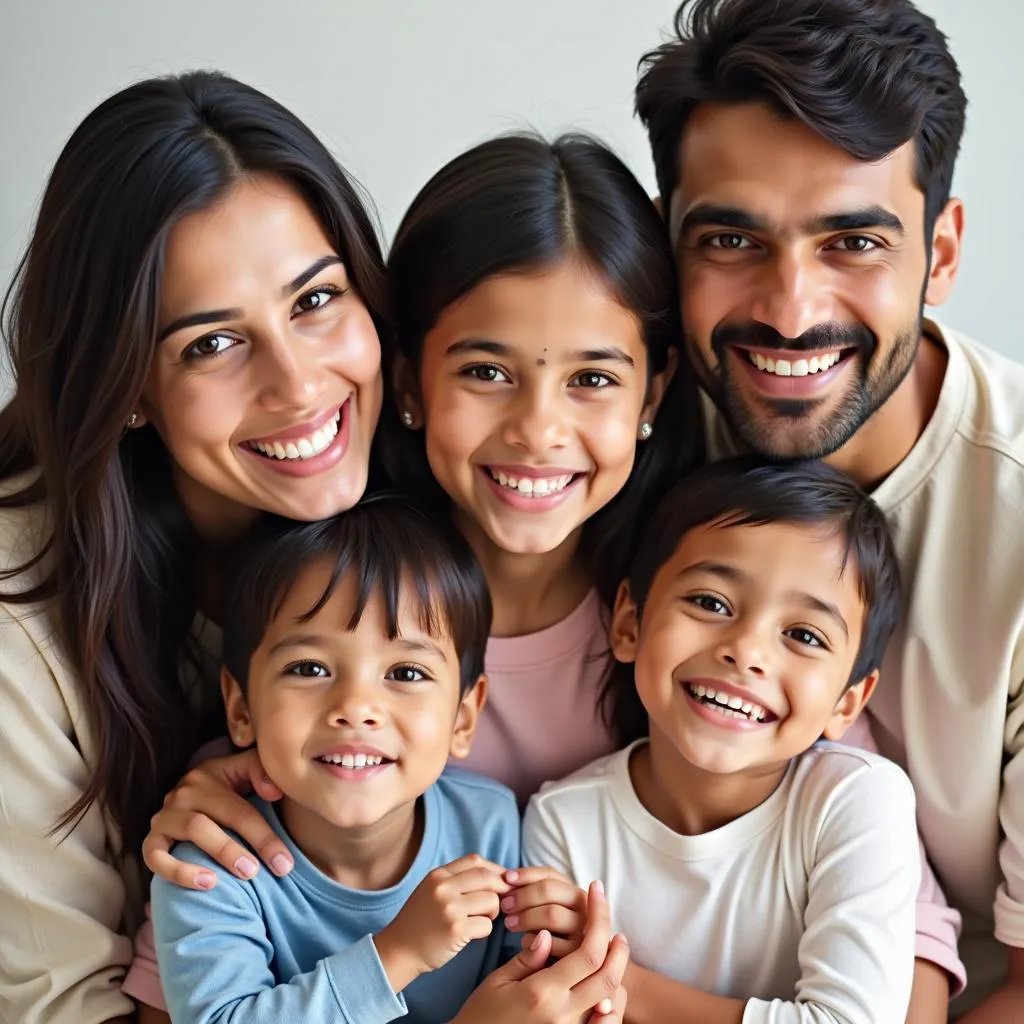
[[216, 519], [688, 799], [371, 858], [529, 592], [887, 438]]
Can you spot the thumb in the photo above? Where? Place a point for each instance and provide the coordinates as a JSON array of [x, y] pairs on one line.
[[528, 962]]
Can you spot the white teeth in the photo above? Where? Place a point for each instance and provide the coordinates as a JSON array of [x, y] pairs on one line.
[[532, 486], [728, 704], [303, 447], [797, 368], [353, 760]]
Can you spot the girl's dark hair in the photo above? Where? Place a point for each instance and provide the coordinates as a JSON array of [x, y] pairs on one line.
[[518, 205], [866, 75], [394, 550], [80, 328], [749, 491]]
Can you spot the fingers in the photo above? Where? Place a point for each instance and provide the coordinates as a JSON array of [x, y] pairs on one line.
[[529, 961], [560, 921], [528, 876], [606, 981], [610, 1011], [476, 904], [589, 958], [163, 865], [549, 890]]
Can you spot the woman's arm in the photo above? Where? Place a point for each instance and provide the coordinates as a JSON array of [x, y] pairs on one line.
[[61, 897]]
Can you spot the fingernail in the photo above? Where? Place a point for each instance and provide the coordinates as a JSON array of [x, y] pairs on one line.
[[536, 942], [511, 876], [508, 903], [599, 885], [206, 879], [605, 1006], [281, 863], [511, 922], [246, 867]]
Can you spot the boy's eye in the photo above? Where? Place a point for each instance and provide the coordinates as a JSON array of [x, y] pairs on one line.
[[308, 670], [488, 373], [805, 636], [407, 674], [710, 603]]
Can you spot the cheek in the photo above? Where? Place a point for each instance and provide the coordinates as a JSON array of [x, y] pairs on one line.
[[708, 295], [884, 300], [609, 430], [456, 424], [197, 413], [355, 352]]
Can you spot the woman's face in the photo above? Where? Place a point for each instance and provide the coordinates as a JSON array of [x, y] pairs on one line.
[[266, 383], [532, 390]]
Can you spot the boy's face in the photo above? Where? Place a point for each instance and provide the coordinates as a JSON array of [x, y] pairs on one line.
[[353, 727], [746, 643]]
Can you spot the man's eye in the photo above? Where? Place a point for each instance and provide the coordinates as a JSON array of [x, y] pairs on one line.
[[728, 240], [856, 243]]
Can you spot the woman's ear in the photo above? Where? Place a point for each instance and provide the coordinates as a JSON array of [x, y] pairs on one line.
[[240, 727], [467, 718], [625, 627], [850, 706], [407, 392]]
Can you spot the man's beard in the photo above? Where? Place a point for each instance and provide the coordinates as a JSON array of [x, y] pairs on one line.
[[798, 439]]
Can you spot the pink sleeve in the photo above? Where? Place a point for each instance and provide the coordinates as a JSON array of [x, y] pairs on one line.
[[142, 982], [938, 924]]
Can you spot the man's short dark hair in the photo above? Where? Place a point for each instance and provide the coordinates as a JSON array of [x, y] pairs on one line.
[[866, 75], [394, 550]]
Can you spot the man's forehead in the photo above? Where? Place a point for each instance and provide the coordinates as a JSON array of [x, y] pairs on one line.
[[746, 157]]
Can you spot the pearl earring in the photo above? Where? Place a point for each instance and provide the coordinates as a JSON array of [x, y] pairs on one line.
[[132, 420], [645, 430], [407, 418]]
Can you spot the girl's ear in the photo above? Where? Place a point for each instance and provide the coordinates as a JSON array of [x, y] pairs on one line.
[[407, 392], [658, 386], [850, 706], [239, 720], [625, 628], [467, 718]]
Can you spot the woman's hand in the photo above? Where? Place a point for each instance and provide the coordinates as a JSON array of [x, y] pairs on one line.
[[584, 986], [208, 800]]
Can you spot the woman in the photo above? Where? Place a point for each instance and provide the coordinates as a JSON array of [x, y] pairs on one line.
[[194, 334]]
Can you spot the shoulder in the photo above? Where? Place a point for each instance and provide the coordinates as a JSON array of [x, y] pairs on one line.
[[475, 808], [24, 529], [459, 786], [592, 782]]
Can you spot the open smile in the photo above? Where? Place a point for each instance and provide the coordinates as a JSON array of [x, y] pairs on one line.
[[308, 448], [531, 489], [793, 374]]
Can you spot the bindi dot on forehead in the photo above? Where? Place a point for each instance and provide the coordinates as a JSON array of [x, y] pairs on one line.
[[542, 362]]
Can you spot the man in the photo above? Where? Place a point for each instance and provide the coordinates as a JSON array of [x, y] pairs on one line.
[[804, 152]]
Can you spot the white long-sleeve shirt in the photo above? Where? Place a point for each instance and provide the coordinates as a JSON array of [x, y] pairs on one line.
[[804, 907]]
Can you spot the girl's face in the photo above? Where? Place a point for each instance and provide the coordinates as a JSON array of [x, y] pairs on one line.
[[265, 384], [532, 390]]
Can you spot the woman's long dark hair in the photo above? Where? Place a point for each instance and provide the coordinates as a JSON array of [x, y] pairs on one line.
[[518, 204], [80, 327]]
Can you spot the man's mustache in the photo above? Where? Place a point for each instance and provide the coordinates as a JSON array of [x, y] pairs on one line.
[[763, 336]]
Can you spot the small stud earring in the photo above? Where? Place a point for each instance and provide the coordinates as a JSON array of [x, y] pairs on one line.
[[132, 420], [407, 417], [645, 430]]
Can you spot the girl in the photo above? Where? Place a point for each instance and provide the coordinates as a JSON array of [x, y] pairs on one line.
[[194, 334]]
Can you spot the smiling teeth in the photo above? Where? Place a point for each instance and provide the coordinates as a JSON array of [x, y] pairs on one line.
[[301, 447], [352, 760], [728, 704], [538, 487], [797, 368]]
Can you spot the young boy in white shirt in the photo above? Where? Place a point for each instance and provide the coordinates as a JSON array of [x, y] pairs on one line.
[[760, 871]]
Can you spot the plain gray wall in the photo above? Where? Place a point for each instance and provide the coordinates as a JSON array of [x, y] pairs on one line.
[[397, 87]]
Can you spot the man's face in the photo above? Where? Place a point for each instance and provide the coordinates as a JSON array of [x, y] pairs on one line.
[[801, 271]]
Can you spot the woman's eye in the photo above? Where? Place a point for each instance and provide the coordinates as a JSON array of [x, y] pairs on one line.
[[210, 345], [308, 670], [407, 674], [591, 379], [709, 603], [317, 298], [805, 636], [487, 373]]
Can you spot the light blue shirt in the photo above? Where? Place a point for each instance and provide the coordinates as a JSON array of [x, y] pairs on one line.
[[297, 949]]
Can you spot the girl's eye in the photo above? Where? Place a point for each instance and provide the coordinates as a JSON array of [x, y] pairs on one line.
[[592, 379], [308, 670], [487, 373], [319, 297], [805, 636], [407, 674], [710, 603], [210, 345], [728, 240]]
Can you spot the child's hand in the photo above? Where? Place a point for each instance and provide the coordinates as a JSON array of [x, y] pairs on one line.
[[451, 907], [545, 900]]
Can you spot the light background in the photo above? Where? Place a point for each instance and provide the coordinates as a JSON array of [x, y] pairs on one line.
[[397, 87]]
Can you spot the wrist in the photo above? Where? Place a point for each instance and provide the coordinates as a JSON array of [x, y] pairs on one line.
[[401, 964]]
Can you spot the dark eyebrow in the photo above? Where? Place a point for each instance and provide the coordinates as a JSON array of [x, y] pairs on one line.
[[611, 354], [421, 645], [855, 220], [728, 572], [213, 316], [298, 640], [818, 605], [709, 214]]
